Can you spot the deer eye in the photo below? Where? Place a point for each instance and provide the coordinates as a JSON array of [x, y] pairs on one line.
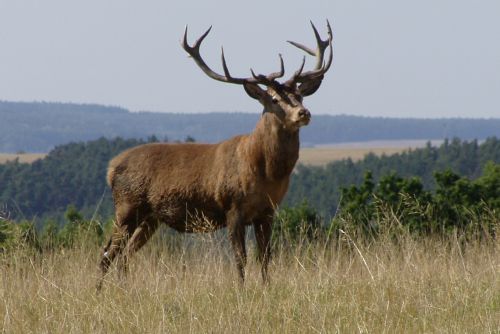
[[275, 100]]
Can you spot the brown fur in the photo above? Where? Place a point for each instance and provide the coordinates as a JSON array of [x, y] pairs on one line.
[[173, 182]]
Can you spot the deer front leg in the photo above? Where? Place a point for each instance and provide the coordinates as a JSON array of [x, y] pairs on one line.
[[236, 233], [263, 229]]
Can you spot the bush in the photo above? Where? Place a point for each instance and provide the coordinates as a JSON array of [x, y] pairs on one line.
[[76, 232], [296, 224], [458, 204], [15, 235]]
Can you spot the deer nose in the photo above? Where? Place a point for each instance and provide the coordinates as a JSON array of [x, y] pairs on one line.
[[304, 113]]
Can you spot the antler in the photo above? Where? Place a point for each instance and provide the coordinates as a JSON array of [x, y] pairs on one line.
[[321, 67], [194, 52]]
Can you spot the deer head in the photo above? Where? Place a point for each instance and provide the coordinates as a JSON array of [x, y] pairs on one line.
[[282, 99]]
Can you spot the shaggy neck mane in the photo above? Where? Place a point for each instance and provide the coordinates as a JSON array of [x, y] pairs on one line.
[[273, 148]]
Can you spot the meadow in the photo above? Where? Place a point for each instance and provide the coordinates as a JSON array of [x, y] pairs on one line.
[[320, 156], [316, 156], [187, 284], [341, 280], [22, 157]]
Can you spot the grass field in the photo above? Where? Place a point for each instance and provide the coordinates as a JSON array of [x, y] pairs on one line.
[[323, 154], [316, 156], [319, 156], [23, 157], [407, 286]]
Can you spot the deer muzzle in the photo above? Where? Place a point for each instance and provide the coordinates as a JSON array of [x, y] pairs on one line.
[[304, 116]]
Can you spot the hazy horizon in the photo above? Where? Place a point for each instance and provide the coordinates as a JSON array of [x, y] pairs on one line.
[[391, 59], [472, 117]]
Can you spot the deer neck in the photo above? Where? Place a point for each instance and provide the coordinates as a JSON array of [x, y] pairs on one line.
[[273, 148]]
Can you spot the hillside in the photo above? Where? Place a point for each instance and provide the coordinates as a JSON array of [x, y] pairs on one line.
[[74, 174], [40, 126]]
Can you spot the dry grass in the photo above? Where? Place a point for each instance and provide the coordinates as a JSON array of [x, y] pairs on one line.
[[23, 157], [316, 156], [319, 156], [323, 154], [413, 286], [308, 156]]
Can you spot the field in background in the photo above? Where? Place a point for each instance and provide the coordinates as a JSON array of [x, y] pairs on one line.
[[322, 154], [23, 157], [316, 156], [408, 285], [319, 156]]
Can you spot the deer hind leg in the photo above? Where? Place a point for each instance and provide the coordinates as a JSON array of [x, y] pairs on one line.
[[125, 224], [236, 233], [141, 235]]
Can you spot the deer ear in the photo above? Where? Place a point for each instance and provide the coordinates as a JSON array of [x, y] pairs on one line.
[[310, 87], [254, 91]]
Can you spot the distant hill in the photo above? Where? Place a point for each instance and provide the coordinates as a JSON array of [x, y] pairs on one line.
[[40, 126]]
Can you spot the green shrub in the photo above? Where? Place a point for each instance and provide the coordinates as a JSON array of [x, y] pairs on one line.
[[458, 204], [295, 224]]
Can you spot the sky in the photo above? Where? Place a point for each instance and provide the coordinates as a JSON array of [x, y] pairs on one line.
[[392, 58]]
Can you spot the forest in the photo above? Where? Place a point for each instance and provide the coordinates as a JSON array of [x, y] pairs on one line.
[[322, 186], [441, 182]]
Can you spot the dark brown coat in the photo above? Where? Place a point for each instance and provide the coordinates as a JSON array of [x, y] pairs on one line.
[[174, 183]]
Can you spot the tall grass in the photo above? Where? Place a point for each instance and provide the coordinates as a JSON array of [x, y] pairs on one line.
[[188, 284]]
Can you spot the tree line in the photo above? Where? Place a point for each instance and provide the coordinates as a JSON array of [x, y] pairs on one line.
[[395, 208], [40, 126], [322, 186], [448, 183], [71, 174]]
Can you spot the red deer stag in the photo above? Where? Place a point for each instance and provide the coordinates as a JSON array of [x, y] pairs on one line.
[[233, 184]]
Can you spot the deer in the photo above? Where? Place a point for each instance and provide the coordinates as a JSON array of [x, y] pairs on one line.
[[239, 182]]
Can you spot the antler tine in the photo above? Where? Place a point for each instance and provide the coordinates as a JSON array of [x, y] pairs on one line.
[[269, 79], [303, 48], [185, 44], [325, 66], [322, 45], [281, 73], [202, 37], [194, 52], [224, 64], [330, 43], [321, 66], [297, 73]]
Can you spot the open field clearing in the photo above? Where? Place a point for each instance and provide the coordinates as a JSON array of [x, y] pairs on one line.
[[322, 154], [23, 157], [308, 156], [317, 156], [407, 286]]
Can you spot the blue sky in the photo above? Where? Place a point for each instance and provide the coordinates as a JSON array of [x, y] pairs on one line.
[[392, 58]]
